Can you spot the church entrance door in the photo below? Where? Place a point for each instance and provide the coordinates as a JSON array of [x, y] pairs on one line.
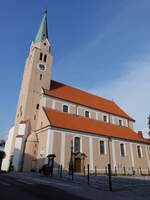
[[77, 164]]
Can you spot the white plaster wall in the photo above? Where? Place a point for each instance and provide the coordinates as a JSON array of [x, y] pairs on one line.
[[7, 150]]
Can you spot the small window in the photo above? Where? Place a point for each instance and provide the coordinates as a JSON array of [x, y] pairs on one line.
[[76, 144], [120, 122], [45, 56], [139, 151], [34, 117], [102, 148], [40, 76], [44, 43], [105, 118], [122, 150], [65, 108], [87, 114], [41, 56], [37, 106]]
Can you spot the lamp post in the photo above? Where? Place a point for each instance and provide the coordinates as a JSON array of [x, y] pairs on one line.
[[109, 165], [71, 159]]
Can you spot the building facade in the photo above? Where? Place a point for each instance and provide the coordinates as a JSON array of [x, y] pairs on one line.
[[53, 118]]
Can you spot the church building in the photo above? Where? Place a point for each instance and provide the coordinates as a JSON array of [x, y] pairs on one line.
[[55, 118]]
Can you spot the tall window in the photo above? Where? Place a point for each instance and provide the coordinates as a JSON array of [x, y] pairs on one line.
[[76, 144], [122, 150], [139, 151], [102, 148], [87, 114], [120, 122], [105, 118], [65, 108], [41, 55], [40, 76], [45, 56]]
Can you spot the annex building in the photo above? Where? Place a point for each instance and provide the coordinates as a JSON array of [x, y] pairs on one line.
[[53, 118]]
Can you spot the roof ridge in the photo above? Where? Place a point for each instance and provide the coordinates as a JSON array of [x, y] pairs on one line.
[[85, 91]]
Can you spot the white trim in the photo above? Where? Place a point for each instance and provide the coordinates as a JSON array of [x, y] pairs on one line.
[[43, 101], [48, 142], [96, 115], [53, 104], [132, 157], [91, 152], [63, 136], [147, 156], [51, 138], [113, 153]]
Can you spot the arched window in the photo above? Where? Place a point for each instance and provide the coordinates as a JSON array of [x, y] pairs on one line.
[[41, 55], [87, 114], [102, 147], [45, 56], [139, 152], [76, 144], [122, 149], [65, 108], [40, 76]]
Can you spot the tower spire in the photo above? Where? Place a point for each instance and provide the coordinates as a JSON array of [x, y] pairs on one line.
[[42, 33]]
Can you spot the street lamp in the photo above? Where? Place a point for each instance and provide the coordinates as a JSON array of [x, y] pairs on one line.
[[109, 165], [71, 159]]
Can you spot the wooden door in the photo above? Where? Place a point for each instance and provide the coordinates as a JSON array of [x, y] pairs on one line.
[[78, 165]]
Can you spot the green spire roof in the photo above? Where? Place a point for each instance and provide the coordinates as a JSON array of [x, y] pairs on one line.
[[42, 33]]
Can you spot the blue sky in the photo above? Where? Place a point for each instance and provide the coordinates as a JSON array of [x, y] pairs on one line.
[[101, 46]]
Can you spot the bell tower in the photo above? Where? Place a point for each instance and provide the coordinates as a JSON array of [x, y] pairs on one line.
[[37, 75]]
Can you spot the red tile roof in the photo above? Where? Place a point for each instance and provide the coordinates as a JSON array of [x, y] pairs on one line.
[[78, 123], [80, 97]]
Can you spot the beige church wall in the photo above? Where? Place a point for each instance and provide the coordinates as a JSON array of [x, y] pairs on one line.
[[72, 109], [41, 119], [100, 116], [116, 121], [42, 145], [124, 122], [100, 161], [111, 119], [123, 161], [58, 106], [131, 125], [85, 149], [68, 140], [57, 148], [93, 115], [48, 102], [140, 162], [29, 155], [80, 111]]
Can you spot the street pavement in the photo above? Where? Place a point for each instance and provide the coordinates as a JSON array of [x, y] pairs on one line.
[[37, 186], [16, 188]]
